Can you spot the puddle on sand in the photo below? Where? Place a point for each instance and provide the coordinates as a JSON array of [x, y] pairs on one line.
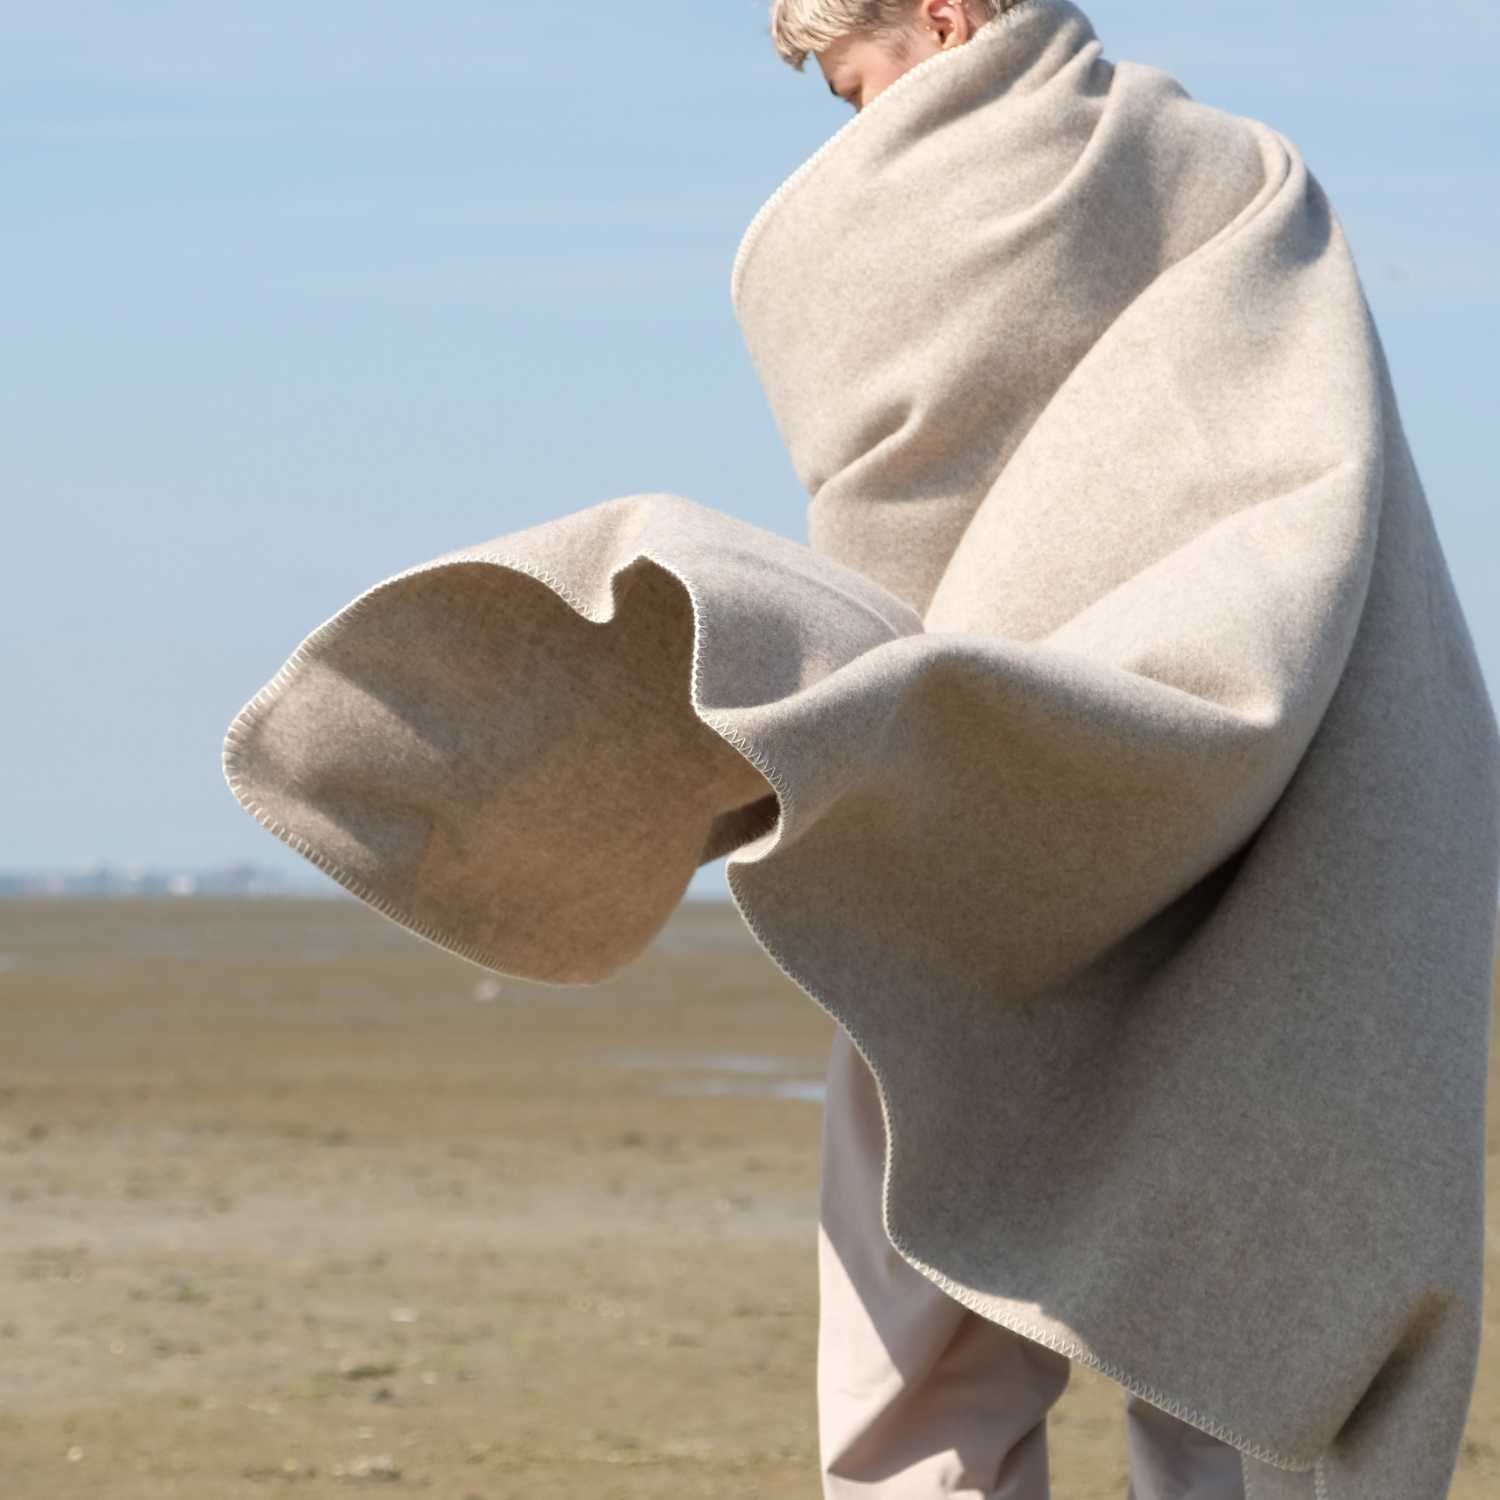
[[755, 1073], [809, 1089]]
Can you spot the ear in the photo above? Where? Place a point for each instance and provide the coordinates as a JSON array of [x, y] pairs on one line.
[[948, 20]]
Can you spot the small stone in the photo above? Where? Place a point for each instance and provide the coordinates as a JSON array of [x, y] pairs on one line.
[[375, 1466]]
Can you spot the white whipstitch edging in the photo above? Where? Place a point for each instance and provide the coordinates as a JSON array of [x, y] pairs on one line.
[[472, 953], [1068, 1347], [987, 33], [235, 736]]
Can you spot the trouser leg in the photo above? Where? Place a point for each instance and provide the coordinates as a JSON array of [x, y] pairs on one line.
[[1172, 1460], [918, 1397]]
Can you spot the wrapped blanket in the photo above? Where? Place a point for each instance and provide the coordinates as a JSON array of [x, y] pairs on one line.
[[1114, 764]]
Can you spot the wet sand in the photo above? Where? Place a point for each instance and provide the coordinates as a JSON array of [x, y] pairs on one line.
[[296, 1203]]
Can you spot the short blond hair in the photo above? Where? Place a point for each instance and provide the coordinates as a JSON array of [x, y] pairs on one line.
[[799, 27]]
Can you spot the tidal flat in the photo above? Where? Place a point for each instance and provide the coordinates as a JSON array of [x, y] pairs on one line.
[[293, 1202]]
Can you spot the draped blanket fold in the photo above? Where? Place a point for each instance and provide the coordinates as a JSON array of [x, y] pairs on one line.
[[1113, 763]]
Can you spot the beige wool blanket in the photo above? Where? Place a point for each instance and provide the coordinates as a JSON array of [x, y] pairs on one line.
[[1114, 764]]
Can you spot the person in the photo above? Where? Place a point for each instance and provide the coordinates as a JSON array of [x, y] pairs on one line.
[[864, 46], [1114, 764], [917, 1395]]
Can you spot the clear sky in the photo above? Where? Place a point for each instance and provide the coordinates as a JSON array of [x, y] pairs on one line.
[[301, 295]]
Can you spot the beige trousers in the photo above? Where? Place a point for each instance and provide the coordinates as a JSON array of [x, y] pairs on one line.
[[919, 1397]]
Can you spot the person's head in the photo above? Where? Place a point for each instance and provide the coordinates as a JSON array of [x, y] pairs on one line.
[[863, 46]]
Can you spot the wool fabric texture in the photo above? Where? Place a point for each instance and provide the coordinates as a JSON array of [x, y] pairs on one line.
[[1114, 762]]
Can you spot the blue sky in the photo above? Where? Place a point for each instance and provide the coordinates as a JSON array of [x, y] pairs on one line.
[[300, 295]]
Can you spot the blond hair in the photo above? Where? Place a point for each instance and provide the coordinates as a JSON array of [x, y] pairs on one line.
[[802, 26]]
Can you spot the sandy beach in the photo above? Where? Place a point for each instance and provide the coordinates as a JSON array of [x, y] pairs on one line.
[[297, 1203]]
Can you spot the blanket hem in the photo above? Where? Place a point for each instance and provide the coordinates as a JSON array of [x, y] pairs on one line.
[[1068, 1347], [483, 958], [247, 716]]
